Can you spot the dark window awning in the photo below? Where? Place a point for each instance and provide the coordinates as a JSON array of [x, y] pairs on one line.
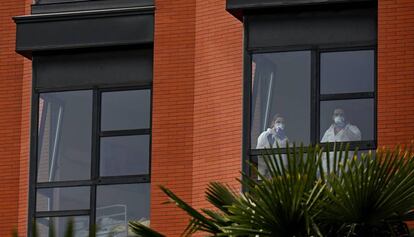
[[86, 29], [239, 8]]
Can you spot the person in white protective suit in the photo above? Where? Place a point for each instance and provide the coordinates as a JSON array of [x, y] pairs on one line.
[[271, 138], [340, 131]]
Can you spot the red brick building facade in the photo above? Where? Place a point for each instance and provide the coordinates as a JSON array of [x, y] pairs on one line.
[[197, 104]]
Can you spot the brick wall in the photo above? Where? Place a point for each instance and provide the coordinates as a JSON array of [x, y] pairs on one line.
[[216, 88], [13, 94], [25, 147], [217, 98], [395, 72], [197, 104], [172, 118]]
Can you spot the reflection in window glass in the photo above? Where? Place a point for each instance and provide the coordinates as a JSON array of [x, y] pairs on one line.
[[59, 199], [351, 153], [118, 204], [281, 98], [124, 110], [59, 225], [347, 72], [347, 120], [262, 168], [64, 140], [125, 155]]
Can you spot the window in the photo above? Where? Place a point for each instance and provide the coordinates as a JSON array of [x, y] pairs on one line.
[[93, 160], [124, 155], [59, 224], [116, 204], [64, 140], [281, 85], [125, 110], [309, 77], [347, 92], [358, 124], [347, 72], [286, 98]]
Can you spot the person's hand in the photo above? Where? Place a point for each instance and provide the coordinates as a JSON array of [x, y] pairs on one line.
[[278, 127], [279, 130]]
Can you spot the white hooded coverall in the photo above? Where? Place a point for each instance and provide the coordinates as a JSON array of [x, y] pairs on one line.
[[347, 134], [264, 141]]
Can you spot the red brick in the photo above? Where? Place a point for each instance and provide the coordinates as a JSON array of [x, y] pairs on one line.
[[15, 74], [395, 92], [197, 102]]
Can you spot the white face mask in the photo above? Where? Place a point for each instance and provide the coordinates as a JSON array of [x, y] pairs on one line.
[[279, 126], [340, 120]]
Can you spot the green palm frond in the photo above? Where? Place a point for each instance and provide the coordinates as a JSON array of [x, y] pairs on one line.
[[142, 230], [199, 222], [15, 233], [309, 191], [221, 196], [69, 232], [370, 191], [286, 202]]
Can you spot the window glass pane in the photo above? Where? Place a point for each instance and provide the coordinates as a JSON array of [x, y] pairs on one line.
[[347, 120], [259, 163], [281, 85], [59, 199], [347, 72], [124, 155], [123, 110], [118, 204], [59, 224], [65, 135]]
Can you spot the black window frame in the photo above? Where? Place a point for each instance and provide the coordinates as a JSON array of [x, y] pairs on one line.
[[250, 155], [95, 179]]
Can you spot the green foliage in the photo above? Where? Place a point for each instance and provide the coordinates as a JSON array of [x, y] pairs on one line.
[[52, 230], [308, 192], [143, 231], [284, 204], [370, 195], [15, 233], [311, 192], [69, 231]]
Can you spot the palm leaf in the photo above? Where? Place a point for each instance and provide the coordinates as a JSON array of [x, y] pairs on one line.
[[141, 230], [69, 232], [15, 233], [286, 202], [369, 191], [308, 192], [220, 195], [199, 222]]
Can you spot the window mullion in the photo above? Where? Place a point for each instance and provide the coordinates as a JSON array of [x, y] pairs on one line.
[[347, 96], [64, 184], [315, 96], [62, 213], [116, 133], [95, 155], [247, 104], [33, 159]]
